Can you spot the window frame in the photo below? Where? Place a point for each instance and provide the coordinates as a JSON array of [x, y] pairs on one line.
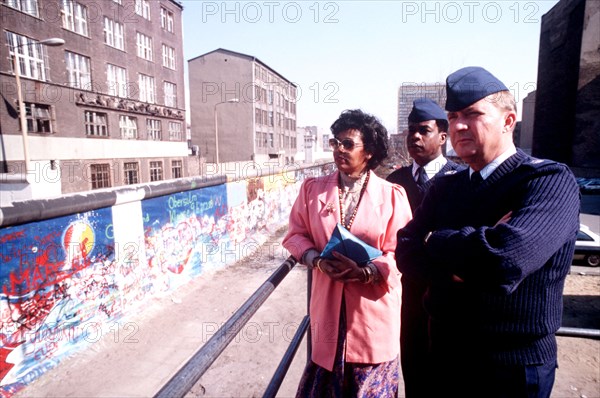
[[154, 129], [128, 127], [156, 170], [74, 17], [94, 125], [79, 70], [170, 94], [100, 178], [114, 34], [129, 172], [117, 87], [31, 56], [177, 168], [144, 46], [30, 7]]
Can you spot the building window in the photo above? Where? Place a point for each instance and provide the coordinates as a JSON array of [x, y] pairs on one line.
[[175, 131], [156, 171], [100, 174], [144, 46], [132, 172], [166, 19], [258, 116], [113, 34], [128, 127], [170, 91], [177, 168], [271, 118], [38, 118], [147, 88], [142, 7], [168, 56], [116, 80], [154, 129], [27, 6], [271, 140], [96, 124], [75, 17], [78, 70], [31, 57]]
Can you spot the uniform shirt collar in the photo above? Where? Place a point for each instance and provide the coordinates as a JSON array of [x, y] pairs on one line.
[[493, 165], [431, 168]]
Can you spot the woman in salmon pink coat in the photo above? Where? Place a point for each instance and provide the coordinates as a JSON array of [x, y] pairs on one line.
[[354, 307]]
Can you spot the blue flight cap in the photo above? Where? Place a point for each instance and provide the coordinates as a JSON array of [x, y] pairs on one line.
[[468, 85], [425, 109]]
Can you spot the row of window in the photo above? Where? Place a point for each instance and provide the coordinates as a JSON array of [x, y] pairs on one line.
[[267, 140], [268, 97], [96, 124], [266, 118], [32, 61], [75, 15], [100, 173], [265, 75], [39, 120]]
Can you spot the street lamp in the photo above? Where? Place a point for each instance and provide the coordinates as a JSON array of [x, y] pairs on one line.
[[233, 100], [52, 42]]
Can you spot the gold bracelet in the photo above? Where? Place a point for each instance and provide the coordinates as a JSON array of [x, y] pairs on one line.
[[368, 272], [318, 265]]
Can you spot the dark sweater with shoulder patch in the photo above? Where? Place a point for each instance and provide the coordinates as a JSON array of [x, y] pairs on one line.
[[404, 177], [506, 303]]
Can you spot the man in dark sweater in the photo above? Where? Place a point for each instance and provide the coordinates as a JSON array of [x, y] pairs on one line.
[[427, 131], [495, 243]]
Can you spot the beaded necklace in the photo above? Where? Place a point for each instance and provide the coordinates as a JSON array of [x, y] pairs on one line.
[[341, 195]]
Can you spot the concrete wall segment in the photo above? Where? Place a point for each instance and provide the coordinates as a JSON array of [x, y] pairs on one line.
[[74, 267]]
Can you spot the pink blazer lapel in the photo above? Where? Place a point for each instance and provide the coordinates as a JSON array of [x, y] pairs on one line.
[[329, 205]]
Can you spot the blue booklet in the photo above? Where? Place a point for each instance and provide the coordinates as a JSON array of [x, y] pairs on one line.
[[342, 241]]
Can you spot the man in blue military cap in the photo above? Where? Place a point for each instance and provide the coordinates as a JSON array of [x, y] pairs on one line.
[[495, 243], [427, 132]]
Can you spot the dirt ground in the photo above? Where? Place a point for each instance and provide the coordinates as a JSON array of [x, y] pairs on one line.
[[172, 328]]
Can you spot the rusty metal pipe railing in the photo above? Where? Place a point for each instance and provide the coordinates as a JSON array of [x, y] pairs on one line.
[[579, 332], [287, 359], [183, 381]]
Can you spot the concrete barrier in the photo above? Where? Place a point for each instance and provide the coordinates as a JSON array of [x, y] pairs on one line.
[[73, 268]]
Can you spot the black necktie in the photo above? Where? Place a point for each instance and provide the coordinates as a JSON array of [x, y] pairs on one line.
[[421, 176], [476, 178]]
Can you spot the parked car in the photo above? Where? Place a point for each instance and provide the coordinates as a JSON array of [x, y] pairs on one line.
[[587, 246], [589, 185]]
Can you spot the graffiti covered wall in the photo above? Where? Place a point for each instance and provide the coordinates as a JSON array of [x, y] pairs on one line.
[[65, 281]]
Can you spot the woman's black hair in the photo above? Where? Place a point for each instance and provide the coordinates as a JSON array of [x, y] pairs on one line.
[[374, 134]]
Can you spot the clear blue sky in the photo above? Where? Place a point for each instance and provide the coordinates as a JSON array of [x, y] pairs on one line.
[[356, 54]]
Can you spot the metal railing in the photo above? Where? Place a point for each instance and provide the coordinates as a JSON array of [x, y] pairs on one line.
[[183, 381]]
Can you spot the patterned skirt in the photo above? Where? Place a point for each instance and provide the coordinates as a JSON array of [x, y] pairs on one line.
[[349, 379]]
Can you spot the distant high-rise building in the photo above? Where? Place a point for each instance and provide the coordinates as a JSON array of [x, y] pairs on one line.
[[241, 109], [104, 109], [407, 93]]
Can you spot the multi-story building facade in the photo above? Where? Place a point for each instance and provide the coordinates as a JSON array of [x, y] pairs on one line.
[[106, 108], [241, 109], [567, 115]]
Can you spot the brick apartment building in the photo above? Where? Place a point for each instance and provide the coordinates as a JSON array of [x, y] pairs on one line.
[[105, 109]]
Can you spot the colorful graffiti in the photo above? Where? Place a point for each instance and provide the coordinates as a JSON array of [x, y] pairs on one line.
[[65, 281], [53, 277]]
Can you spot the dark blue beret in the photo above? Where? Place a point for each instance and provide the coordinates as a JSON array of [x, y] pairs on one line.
[[425, 109], [468, 85]]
